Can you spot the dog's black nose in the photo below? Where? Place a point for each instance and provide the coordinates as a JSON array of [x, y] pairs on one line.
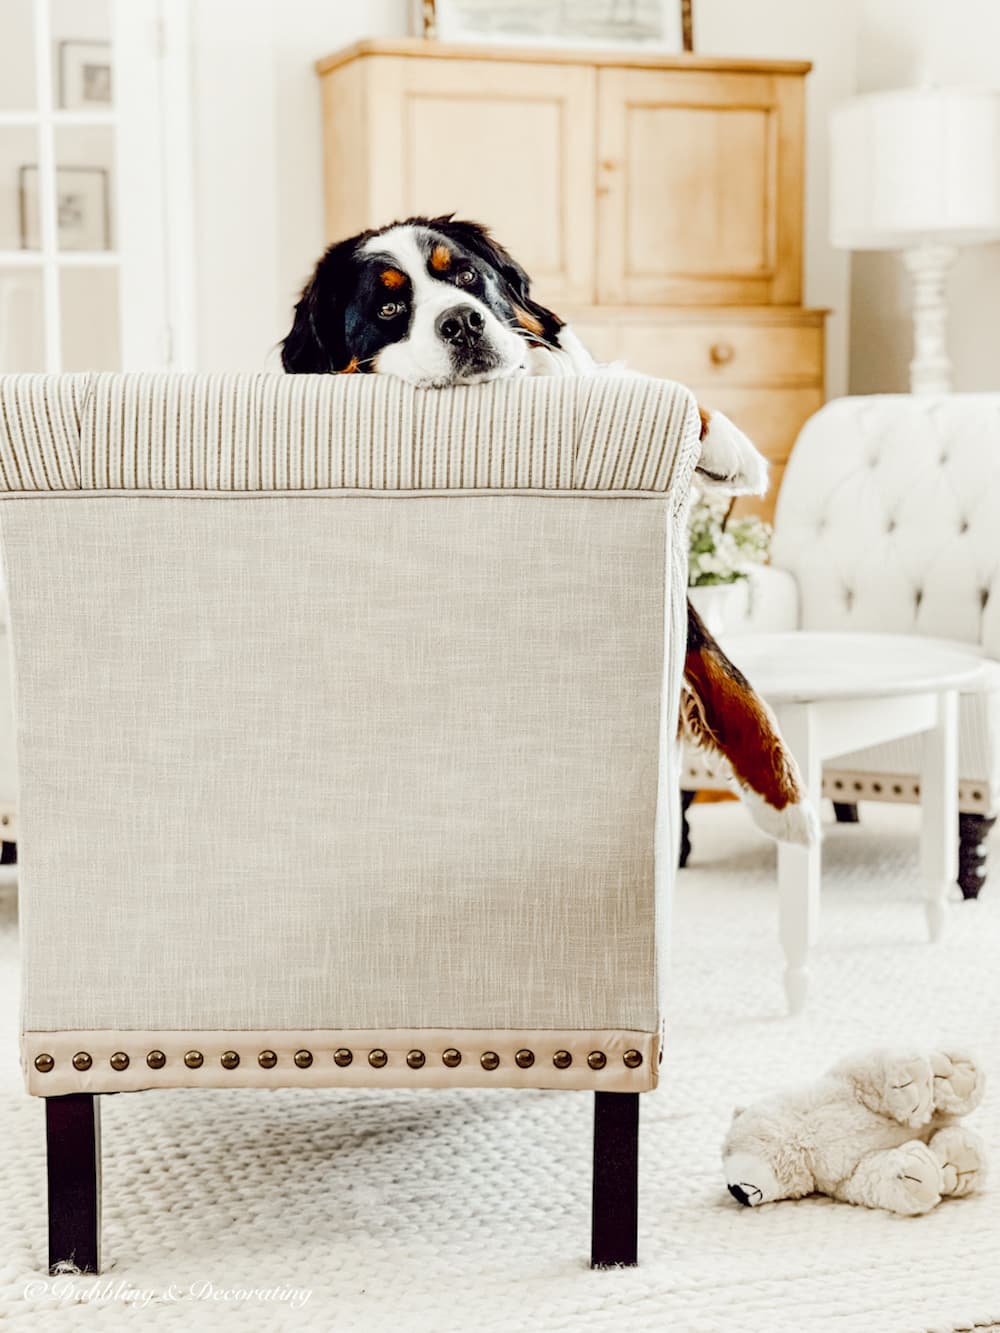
[[461, 326], [739, 1194]]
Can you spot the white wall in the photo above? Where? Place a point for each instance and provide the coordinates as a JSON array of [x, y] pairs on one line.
[[900, 43], [259, 168]]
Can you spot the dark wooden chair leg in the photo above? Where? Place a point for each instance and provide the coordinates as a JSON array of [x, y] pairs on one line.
[[685, 851], [8, 854], [973, 830], [73, 1138], [615, 1218], [846, 813]]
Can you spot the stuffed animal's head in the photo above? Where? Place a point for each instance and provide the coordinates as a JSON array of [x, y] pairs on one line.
[[761, 1158]]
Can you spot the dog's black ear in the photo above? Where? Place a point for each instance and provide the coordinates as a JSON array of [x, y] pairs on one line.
[[315, 344], [536, 319]]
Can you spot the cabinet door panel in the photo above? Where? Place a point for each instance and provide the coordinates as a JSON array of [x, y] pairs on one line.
[[699, 191], [509, 145]]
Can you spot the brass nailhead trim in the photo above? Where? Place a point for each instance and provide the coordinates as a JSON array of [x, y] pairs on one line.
[[229, 1059], [119, 1061], [451, 1058], [632, 1059], [415, 1059], [343, 1057], [156, 1059], [378, 1059], [194, 1059], [524, 1059], [267, 1059], [489, 1060], [597, 1059], [82, 1060], [44, 1064], [303, 1059], [562, 1059]]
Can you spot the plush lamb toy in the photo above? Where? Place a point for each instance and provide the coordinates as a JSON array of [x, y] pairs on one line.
[[879, 1129]]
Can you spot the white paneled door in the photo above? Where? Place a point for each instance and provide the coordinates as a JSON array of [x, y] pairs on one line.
[[95, 200]]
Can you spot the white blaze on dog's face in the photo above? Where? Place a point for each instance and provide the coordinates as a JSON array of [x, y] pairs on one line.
[[433, 301]]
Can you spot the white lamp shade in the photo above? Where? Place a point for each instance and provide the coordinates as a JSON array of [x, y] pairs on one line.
[[916, 165]]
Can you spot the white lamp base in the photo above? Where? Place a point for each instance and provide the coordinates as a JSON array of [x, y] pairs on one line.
[[928, 265]]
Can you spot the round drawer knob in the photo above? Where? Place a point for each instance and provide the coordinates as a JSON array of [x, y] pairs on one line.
[[721, 353]]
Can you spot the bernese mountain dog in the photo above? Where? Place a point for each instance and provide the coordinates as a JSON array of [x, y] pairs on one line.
[[439, 302]]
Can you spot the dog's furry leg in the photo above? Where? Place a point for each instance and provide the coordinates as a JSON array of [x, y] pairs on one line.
[[721, 711]]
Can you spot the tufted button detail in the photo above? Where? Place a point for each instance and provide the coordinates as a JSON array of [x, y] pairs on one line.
[[848, 598], [984, 597], [891, 525], [963, 526], [918, 597]]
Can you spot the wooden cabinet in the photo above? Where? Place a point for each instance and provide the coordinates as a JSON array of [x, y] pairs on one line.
[[655, 200]]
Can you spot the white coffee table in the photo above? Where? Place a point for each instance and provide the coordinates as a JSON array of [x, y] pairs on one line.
[[834, 693]]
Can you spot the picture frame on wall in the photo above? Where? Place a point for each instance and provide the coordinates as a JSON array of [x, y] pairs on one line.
[[656, 24], [83, 208], [86, 76]]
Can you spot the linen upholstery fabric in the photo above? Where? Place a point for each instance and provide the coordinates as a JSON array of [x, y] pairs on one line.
[[345, 717], [887, 521]]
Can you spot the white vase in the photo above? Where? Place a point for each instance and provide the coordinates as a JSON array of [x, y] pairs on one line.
[[720, 605]]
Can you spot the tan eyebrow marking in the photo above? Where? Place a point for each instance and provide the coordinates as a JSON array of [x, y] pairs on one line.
[[391, 277], [441, 259]]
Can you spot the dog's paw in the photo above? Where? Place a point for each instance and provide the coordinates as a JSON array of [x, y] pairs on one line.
[[729, 460], [911, 1180], [958, 1082], [960, 1155]]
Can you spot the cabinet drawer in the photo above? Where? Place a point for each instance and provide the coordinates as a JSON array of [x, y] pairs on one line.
[[709, 350], [726, 353]]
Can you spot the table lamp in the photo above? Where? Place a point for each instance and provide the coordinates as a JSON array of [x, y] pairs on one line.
[[918, 170]]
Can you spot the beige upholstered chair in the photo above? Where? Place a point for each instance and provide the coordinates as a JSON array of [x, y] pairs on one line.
[[345, 723]]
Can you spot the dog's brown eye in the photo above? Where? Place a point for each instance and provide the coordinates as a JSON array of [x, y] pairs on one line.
[[465, 277], [390, 310]]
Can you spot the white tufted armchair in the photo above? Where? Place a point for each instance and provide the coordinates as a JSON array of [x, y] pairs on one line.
[[889, 520]]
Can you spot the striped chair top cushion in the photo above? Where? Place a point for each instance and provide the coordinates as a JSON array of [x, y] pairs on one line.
[[224, 433]]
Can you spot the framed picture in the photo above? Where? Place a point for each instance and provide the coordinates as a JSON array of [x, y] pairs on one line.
[[85, 76], [82, 207], [648, 23]]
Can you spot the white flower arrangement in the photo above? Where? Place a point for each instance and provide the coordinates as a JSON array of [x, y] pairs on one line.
[[723, 549]]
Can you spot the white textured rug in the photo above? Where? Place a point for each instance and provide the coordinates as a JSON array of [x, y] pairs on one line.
[[470, 1211]]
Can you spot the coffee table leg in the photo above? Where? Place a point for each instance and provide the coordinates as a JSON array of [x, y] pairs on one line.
[[939, 812], [799, 868]]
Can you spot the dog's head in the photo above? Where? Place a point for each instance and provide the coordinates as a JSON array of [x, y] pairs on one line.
[[434, 301]]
